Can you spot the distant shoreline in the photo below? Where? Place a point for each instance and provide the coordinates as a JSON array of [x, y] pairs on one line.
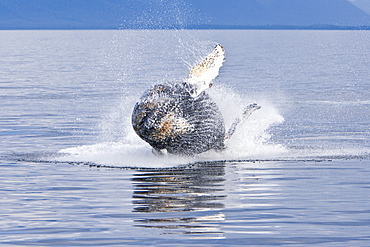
[[287, 27], [203, 27]]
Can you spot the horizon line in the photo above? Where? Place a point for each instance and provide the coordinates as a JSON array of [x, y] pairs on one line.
[[207, 27]]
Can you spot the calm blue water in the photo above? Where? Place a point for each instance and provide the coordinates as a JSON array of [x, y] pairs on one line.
[[73, 173]]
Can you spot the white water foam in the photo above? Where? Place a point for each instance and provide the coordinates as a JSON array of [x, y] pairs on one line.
[[117, 154], [252, 138]]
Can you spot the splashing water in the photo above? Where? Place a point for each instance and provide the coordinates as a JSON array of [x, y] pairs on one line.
[[252, 138], [250, 141]]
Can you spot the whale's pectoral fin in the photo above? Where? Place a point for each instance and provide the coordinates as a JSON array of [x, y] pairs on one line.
[[245, 115], [250, 109], [201, 75]]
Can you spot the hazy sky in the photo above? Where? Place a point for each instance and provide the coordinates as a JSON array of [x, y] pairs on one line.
[[363, 4]]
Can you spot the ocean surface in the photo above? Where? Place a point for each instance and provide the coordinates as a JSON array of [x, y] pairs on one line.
[[73, 172]]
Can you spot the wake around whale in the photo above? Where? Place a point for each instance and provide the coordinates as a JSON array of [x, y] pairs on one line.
[[181, 118]]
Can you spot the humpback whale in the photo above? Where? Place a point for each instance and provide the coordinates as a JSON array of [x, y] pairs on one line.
[[180, 117]]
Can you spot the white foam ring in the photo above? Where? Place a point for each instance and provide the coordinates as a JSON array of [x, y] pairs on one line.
[[251, 140]]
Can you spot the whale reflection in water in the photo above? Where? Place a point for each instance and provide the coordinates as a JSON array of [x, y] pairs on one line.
[[195, 194]]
